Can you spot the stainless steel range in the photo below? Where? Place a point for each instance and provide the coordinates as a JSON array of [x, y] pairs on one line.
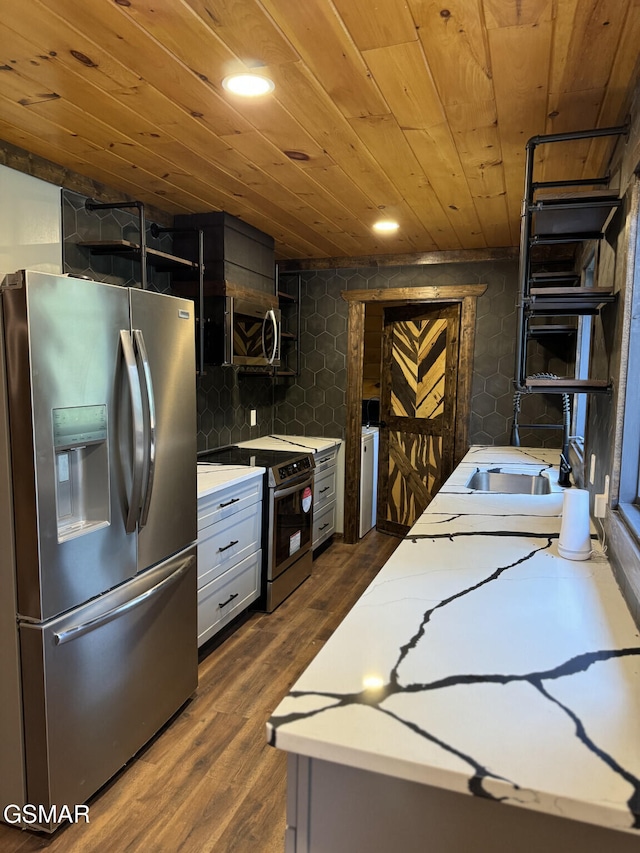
[[287, 527]]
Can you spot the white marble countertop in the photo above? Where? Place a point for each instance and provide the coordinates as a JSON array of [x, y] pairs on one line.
[[481, 661], [291, 442], [212, 477]]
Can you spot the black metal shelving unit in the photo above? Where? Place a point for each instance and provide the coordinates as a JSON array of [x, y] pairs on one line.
[[288, 287], [145, 254], [548, 300]]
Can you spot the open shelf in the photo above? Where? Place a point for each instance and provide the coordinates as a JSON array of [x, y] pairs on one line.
[[568, 300], [288, 290], [286, 297], [145, 255], [162, 261], [568, 386], [551, 329], [572, 215], [550, 278], [564, 216]]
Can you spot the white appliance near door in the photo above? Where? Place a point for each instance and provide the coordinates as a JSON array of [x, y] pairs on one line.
[[98, 520], [368, 479]]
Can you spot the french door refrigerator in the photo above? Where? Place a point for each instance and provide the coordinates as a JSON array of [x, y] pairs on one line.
[[98, 637]]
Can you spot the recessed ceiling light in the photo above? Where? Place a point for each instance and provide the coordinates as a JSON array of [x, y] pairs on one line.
[[248, 85], [385, 226]]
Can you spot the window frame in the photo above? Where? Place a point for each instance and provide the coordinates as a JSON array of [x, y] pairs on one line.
[[629, 486]]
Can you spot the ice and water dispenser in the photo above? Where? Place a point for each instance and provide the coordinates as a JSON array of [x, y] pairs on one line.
[[81, 469]]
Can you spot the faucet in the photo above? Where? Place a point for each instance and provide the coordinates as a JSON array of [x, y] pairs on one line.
[[564, 469]]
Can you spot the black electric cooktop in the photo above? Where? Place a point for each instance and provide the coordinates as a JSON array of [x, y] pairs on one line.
[[285, 464]]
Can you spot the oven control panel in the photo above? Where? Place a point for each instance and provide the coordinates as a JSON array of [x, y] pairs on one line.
[[292, 469]]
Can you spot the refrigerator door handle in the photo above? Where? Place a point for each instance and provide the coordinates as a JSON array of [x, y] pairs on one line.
[[150, 426], [91, 624], [135, 395]]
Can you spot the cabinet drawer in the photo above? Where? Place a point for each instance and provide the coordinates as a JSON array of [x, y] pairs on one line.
[[324, 489], [228, 501], [324, 524], [227, 596], [230, 540], [324, 459]]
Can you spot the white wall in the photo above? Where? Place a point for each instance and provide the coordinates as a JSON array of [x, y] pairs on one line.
[[30, 223]]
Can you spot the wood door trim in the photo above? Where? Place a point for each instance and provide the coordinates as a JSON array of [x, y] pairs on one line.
[[404, 435], [411, 295], [357, 300]]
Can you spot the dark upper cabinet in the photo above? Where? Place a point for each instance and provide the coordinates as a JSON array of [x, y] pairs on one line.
[[237, 256]]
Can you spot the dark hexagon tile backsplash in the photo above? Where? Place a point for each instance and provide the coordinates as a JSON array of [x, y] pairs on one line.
[[317, 396], [313, 403]]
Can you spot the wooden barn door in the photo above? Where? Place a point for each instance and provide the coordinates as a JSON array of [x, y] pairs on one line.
[[417, 410]]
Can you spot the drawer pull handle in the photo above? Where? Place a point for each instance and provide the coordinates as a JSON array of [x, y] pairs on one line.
[[326, 489], [230, 545], [326, 459], [229, 600], [324, 525], [228, 503]]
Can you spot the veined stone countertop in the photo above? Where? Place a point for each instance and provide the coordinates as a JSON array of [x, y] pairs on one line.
[[481, 661], [312, 444], [211, 477]]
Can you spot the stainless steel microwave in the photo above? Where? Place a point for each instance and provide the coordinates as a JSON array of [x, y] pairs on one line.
[[242, 331]]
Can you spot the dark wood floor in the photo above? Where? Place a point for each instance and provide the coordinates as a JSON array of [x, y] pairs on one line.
[[209, 781]]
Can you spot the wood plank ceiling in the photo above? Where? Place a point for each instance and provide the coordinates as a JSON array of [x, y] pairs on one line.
[[405, 109]]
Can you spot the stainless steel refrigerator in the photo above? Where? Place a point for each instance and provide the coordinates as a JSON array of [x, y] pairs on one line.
[[98, 521]]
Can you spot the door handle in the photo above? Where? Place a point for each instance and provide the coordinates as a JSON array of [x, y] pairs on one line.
[[264, 337], [135, 396], [276, 342], [283, 493], [149, 425], [228, 503], [270, 315], [91, 624]]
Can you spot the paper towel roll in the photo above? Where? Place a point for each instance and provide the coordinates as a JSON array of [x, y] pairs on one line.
[[575, 534]]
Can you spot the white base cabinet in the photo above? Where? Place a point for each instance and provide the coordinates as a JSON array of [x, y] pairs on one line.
[[226, 596], [324, 495], [229, 554]]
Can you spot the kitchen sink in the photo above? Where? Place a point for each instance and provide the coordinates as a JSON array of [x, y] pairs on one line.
[[510, 484]]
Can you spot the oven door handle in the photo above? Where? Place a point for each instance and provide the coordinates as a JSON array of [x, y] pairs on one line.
[[291, 488]]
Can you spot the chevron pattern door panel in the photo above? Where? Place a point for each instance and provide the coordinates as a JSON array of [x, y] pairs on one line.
[[418, 408], [247, 339], [418, 360], [415, 463]]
